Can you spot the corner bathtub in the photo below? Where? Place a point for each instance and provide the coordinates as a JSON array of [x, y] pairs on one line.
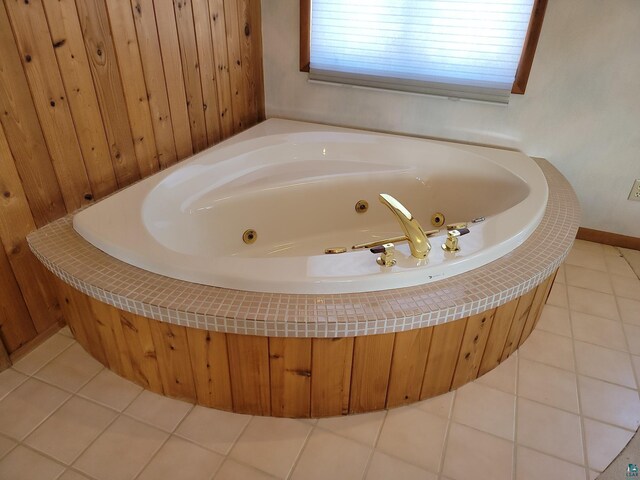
[[297, 185], [161, 288]]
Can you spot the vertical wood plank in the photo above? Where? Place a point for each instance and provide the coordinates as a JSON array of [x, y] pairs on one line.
[[408, 365], [519, 320], [15, 223], [77, 311], [102, 60], [446, 341], [16, 326], [221, 61], [191, 72], [536, 308], [134, 88], [498, 336], [238, 94], [107, 324], [370, 374], [173, 360], [66, 36], [20, 122], [472, 349], [210, 365], [207, 70], [4, 357], [172, 62], [290, 367], [331, 364], [142, 351], [249, 372], [149, 46], [47, 89], [251, 52]]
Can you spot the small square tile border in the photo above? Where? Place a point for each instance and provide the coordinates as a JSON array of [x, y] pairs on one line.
[[95, 273]]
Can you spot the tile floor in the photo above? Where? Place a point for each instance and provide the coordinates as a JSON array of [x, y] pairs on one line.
[[562, 408]]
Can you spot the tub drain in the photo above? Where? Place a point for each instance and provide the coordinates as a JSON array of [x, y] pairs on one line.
[[249, 236]]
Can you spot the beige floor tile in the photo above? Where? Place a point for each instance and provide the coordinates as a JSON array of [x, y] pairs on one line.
[[271, 444], [72, 475], [162, 412], [593, 303], [231, 470], [548, 348], [629, 310], [588, 246], [485, 409], [619, 266], [609, 403], [213, 429], [9, 380], [363, 428], [27, 406], [40, 356], [555, 320], [558, 295], [605, 364], [179, 459], [477, 455], [604, 442], [121, 451], [503, 377], [598, 330], [593, 259], [549, 430], [633, 258], [71, 369], [635, 361], [25, 464], [549, 385], [384, 467], [611, 251], [626, 287], [414, 436], [66, 433], [66, 331], [633, 337], [588, 278], [111, 390], [532, 465], [6, 444], [440, 405], [330, 456]]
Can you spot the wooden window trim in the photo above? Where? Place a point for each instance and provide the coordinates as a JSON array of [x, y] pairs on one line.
[[522, 73]]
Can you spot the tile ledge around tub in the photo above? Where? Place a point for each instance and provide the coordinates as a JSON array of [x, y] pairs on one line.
[[93, 272]]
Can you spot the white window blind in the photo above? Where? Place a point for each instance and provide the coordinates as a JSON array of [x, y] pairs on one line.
[[456, 48]]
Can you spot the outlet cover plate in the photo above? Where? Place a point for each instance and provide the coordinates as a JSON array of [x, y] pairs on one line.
[[635, 191]]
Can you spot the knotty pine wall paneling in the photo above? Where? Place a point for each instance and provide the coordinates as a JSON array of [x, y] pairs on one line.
[[96, 94]]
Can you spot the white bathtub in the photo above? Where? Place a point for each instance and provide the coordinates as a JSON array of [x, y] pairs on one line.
[[296, 184]]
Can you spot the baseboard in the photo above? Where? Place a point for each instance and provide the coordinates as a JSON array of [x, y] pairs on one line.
[[608, 238], [33, 343]]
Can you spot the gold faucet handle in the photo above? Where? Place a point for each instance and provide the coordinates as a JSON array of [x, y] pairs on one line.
[[451, 243], [387, 252]]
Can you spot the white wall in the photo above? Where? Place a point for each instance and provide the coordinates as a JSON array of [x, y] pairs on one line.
[[581, 110]]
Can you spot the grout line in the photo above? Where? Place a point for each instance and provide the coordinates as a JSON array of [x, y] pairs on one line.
[[302, 449], [50, 359], [445, 440]]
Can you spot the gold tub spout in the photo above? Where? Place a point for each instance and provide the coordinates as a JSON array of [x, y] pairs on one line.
[[418, 242]]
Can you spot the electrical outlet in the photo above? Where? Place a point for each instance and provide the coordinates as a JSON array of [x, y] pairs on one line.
[[635, 191]]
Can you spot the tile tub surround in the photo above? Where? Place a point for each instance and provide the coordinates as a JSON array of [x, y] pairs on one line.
[[70, 429], [131, 289]]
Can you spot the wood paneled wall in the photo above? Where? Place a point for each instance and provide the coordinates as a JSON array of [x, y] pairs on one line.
[[96, 94]]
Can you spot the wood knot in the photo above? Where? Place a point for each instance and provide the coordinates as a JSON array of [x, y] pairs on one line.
[[88, 196], [6, 194], [27, 58], [247, 30], [16, 250], [59, 43], [52, 103], [466, 357], [99, 52]]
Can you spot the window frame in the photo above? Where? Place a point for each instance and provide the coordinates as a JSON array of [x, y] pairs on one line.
[[526, 59]]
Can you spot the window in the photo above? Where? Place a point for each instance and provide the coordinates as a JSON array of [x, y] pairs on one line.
[[478, 49]]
